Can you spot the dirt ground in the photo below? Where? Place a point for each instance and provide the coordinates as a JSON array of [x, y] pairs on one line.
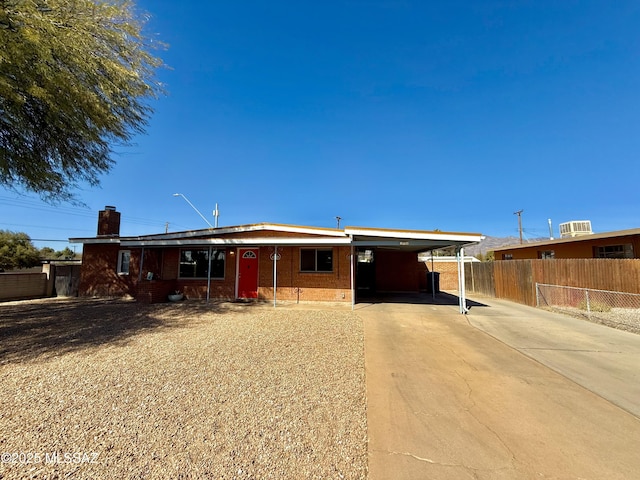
[[116, 389]]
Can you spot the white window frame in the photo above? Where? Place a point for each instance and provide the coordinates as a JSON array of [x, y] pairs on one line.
[[121, 263]]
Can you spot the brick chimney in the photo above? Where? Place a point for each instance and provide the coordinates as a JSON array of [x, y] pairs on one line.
[[109, 222]]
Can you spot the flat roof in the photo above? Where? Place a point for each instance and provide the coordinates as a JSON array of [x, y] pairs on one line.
[[411, 240], [579, 238]]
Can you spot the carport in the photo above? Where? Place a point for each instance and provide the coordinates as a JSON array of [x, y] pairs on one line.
[[386, 260]]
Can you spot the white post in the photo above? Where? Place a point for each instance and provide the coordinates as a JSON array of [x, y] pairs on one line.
[[353, 283], [461, 284], [141, 265], [463, 291], [209, 276], [433, 279], [275, 273]]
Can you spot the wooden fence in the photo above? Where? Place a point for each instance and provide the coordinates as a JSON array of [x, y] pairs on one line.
[[516, 279], [480, 279]]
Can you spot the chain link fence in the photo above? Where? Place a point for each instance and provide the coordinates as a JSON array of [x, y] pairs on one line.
[[615, 309]]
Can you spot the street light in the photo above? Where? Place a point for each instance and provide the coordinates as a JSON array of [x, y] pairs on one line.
[[192, 206]]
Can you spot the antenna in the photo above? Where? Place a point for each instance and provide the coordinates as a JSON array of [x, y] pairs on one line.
[[216, 214], [338, 220]]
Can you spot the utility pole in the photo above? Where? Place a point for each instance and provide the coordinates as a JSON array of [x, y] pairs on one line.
[[519, 213]]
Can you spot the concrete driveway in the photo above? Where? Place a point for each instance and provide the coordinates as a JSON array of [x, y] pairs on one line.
[[505, 392]]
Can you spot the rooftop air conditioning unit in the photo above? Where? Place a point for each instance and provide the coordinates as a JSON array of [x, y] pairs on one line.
[[575, 228]]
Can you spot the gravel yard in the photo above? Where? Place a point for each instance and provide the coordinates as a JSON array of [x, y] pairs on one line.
[[116, 389], [621, 318]]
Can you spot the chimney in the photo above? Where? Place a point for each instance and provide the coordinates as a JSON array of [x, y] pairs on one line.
[[109, 222]]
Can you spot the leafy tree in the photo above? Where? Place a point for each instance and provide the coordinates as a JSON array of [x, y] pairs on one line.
[[75, 77], [67, 253], [17, 251], [47, 253], [486, 257]]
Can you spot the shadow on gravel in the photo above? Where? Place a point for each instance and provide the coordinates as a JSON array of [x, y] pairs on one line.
[[29, 330]]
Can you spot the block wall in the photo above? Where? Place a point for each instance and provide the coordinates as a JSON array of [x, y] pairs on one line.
[[18, 286]]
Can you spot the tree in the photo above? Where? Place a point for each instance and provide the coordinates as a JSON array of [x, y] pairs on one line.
[[486, 257], [66, 254], [17, 251], [48, 253], [75, 78]]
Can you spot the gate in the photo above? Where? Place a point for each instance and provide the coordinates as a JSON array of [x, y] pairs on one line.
[[67, 279]]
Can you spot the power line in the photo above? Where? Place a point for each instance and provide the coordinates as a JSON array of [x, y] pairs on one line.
[[44, 226], [86, 213]]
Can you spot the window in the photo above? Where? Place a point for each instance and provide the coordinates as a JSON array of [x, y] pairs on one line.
[[365, 256], [124, 259], [194, 263], [614, 251], [544, 254], [316, 260]]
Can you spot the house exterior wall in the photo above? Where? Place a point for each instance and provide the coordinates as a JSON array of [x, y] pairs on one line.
[[397, 271], [99, 275], [580, 248], [294, 285], [222, 289]]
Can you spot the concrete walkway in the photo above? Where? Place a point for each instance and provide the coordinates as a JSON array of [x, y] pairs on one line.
[[456, 397], [601, 359]]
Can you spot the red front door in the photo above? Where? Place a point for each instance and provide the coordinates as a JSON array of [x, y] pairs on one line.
[[248, 272]]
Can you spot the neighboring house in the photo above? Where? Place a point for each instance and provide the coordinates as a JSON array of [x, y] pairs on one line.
[[258, 261], [619, 244]]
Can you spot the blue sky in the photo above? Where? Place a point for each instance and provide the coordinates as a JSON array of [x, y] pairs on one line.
[[447, 115]]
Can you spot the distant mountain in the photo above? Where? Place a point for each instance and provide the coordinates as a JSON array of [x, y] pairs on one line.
[[491, 243]]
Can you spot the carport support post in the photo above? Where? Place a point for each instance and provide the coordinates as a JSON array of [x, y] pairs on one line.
[[141, 265], [275, 273], [353, 280], [209, 275], [461, 283], [433, 279]]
